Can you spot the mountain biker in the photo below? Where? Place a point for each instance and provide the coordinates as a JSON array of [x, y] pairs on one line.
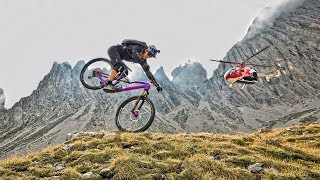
[[132, 51]]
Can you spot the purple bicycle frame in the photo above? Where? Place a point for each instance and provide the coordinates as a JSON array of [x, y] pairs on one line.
[[143, 85]]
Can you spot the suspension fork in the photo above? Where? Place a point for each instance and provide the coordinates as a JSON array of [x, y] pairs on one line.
[[144, 94]]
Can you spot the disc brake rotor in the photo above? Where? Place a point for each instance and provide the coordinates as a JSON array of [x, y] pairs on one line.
[[135, 116]]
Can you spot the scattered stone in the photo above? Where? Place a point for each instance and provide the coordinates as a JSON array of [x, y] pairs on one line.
[[161, 177], [68, 146], [80, 134], [35, 162], [182, 167], [59, 167], [108, 134], [69, 136], [97, 165], [87, 175], [255, 168], [128, 145], [106, 173], [56, 177], [264, 130], [87, 133]]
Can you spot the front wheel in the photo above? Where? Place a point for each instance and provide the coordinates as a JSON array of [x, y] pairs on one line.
[[137, 120]]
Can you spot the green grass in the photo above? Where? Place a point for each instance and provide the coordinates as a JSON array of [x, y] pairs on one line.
[[291, 153]]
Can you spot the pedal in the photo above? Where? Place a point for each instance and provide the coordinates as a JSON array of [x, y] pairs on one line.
[[110, 91]]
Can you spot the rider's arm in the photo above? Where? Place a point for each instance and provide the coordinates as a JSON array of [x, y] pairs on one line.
[[146, 69], [136, 56], [136, 50]]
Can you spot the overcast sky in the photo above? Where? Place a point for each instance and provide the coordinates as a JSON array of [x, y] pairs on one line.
[[35, 33]]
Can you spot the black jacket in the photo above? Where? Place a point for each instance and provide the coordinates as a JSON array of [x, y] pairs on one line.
[[131, 53]]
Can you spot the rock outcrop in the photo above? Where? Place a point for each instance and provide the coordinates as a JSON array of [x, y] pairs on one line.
[[2, 100]]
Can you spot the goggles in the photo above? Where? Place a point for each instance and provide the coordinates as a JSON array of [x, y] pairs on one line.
[[152, 52]]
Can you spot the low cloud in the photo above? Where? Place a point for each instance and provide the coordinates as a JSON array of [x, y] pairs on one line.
[[270, 13]]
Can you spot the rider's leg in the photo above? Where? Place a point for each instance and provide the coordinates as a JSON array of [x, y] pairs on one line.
[[115, 58], [112, 75]]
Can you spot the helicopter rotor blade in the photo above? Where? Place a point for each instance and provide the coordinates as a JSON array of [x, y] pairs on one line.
[[225, 61], [260, 65], [257, 53]]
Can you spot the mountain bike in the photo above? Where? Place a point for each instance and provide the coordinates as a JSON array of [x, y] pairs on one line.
[[135, 114]]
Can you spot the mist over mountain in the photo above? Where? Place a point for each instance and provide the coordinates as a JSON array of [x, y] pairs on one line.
[[267, 17], [189, 102]]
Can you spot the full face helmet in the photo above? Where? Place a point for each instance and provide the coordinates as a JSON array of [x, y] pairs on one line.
[[152, 51]]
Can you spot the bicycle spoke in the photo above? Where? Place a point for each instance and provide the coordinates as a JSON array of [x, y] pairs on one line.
[[89, 73], [134, 122]]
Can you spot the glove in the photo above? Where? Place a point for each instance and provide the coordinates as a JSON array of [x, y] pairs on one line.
[[159, 89]]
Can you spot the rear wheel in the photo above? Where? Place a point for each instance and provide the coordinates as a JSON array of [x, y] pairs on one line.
[[88, 76], [137, 121]]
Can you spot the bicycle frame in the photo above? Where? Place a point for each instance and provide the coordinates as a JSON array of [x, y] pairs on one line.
[[123, 78]]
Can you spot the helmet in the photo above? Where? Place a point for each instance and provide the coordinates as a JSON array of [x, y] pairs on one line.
[[152, 51]]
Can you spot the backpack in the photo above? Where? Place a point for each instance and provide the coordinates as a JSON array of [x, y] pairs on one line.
[[128, 42]]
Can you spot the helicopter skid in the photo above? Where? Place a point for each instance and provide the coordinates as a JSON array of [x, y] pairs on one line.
[[246, 82], [242, 82]]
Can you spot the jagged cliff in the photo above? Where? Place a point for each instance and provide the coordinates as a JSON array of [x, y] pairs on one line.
[[190, 102], [294, 37], [2, 100]]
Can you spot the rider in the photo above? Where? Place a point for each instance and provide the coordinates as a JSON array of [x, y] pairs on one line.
[[132, 51]]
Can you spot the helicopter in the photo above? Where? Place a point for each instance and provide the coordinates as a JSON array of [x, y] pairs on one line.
[[245, 74]]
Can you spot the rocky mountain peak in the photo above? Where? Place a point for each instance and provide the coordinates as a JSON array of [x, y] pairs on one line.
[[2, 100], [61, 66], [191, 73], [59, 75], [161, 75], [77, 68]]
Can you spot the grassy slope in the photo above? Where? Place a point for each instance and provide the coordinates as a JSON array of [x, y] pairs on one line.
[[287, 153]]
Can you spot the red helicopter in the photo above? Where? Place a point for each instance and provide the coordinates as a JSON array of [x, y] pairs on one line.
[[245, 74]]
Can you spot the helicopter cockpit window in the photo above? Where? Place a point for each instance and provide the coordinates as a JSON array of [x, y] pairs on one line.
[[231, 71]]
